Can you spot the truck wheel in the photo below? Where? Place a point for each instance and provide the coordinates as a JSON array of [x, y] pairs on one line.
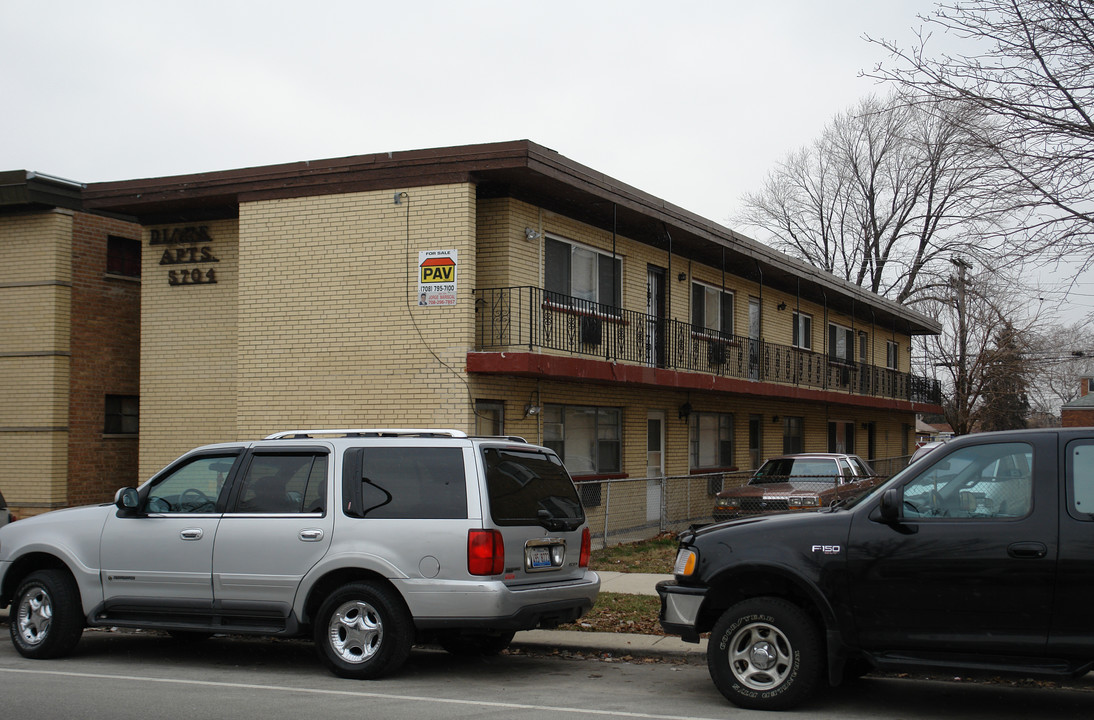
[[46, 618], [363, 631], [765, 653]]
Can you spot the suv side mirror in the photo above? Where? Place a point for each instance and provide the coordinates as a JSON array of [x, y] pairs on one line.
[[127, 500], [890, 505]]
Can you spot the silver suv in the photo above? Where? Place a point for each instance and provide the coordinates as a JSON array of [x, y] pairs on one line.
[[369, 540]]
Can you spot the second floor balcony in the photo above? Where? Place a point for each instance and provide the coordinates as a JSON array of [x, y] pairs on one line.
[[532, 319]]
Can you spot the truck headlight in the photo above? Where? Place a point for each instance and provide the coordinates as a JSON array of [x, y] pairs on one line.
[[686, 562], [728, 502], [803, 502]]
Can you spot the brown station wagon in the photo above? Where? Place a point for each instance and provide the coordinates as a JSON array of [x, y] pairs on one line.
[[805, 481]]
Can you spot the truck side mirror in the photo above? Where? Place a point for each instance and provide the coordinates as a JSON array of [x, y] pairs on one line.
[[890, 505]]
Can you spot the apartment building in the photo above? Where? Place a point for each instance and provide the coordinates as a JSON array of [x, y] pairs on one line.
[[499, 289]]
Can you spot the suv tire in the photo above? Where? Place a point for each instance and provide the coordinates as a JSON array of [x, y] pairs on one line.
[[46, 620], [363, 631], [764, 653]]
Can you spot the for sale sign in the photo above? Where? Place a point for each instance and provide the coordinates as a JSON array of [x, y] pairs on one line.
[[437, 277]]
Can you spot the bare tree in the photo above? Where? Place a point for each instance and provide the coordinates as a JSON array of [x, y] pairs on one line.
[[1063, 355], [1028, 67], [883, 199], [986, 337]]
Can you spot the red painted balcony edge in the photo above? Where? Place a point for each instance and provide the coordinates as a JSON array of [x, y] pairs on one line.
[[524, 364]]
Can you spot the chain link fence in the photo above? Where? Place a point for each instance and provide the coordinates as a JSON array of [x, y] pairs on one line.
[[633, 509]]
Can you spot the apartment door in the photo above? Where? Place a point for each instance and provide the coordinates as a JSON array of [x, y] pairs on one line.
[[754, 338], [655, 463], [755, 440], [655, 310]]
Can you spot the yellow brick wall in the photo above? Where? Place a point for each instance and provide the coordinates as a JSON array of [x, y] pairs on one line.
[[314, 323], [188, 347], [35, 292], [524, 266], [330, 332], [516, 393]]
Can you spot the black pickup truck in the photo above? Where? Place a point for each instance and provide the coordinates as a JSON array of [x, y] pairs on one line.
[[979, 557]]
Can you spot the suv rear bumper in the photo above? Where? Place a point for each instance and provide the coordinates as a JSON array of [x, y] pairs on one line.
[[493, 604]]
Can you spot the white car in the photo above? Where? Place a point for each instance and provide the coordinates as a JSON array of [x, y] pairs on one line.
[[924, 449]]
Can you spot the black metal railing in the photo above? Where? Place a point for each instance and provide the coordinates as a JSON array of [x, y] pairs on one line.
[[531, 318]]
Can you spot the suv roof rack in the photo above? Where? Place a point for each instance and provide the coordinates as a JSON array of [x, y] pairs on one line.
[[367, 432], [510, 438]]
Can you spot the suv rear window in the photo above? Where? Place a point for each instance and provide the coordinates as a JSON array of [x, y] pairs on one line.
[[405, 482], [530, 488]]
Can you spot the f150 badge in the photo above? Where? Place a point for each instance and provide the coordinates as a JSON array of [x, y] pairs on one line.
[[827, 549]]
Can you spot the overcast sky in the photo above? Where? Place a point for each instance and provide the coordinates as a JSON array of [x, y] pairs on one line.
[[693, 102]]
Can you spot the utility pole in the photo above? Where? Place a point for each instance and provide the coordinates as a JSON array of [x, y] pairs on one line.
[[961, 384]]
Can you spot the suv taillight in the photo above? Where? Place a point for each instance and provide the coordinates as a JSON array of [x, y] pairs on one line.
[[586, 548], [485, 552]]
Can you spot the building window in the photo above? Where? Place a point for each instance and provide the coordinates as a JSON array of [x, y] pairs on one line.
[[891, 354], [576, 271], [123, 256], [793, 435], [712, 310], [841, 343], [863, 347], [803, 331], [588, 439], [489, 418], [711, 440], [122, 415]]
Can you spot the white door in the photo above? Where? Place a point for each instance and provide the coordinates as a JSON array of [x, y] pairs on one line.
[[655, 463], [754, 338]]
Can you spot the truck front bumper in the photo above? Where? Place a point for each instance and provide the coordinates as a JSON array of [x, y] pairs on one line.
[[680, 607]]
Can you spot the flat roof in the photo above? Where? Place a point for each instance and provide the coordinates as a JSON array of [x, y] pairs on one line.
[[520, 169]]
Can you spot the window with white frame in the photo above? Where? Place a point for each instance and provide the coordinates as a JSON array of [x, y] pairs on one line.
[[576, 271], [712, 310], [891, 349], [588, 439], [803, 331], [711, 440], [841, 343]]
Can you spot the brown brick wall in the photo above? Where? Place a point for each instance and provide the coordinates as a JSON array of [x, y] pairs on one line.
[[1077, 417], [105, 359]]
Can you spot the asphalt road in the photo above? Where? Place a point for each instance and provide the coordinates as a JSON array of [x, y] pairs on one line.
[[117, 676]]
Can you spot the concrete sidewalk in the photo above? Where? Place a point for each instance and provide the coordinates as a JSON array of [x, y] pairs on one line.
[[630, 583]]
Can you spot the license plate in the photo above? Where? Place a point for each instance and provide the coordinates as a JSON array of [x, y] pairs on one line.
[[539, 557]]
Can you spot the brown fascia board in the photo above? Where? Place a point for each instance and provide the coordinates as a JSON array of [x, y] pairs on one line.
[[27, 189], [518, 163], [301, 179]]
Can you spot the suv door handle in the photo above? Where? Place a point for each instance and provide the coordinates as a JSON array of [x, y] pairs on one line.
[[191, 534], [311, 535], [1027, 550]]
